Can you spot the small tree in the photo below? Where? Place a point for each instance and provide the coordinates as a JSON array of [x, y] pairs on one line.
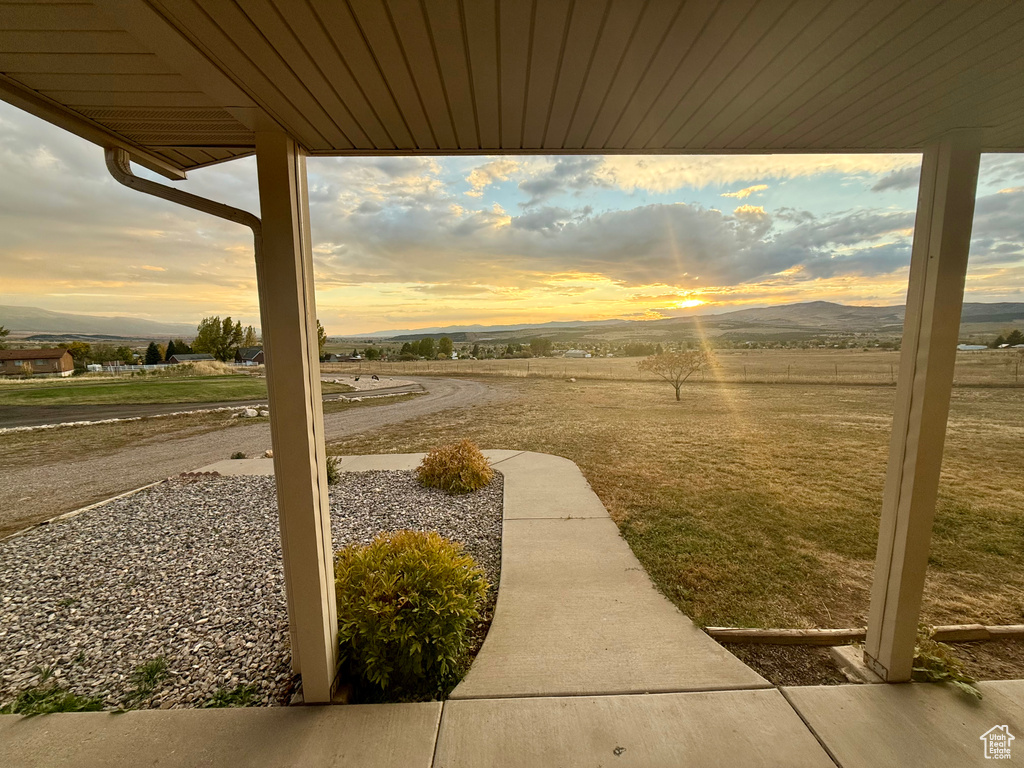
[[476, 351], [999, 340], [4, 333], [249, 337], [445, 347], [153, 356], [217, 337], [675, 367], [171, 351], [541, 347], [26, 369], [1015, 338], [427, 349]]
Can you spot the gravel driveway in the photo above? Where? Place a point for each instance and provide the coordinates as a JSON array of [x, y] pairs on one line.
[[189, 572], [41, 491]]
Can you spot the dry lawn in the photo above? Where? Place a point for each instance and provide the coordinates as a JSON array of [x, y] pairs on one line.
[[757, 505], [997, 367]]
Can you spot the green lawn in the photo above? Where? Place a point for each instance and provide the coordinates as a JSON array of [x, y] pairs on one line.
[[190, 389]]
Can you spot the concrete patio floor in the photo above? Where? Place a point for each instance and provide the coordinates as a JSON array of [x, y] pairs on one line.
[[585, 664]]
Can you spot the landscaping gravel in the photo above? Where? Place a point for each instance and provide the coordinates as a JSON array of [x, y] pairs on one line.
[[189, 571]]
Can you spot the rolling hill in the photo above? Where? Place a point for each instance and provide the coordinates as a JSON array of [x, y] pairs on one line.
[[785, 321], [33, 320]]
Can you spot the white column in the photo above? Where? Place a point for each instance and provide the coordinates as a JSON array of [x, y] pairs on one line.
[[942, 236], [288, 313]]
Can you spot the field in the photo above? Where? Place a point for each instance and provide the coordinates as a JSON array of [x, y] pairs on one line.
[[753, 501], [157, 389], [757, 504], [997, 367]]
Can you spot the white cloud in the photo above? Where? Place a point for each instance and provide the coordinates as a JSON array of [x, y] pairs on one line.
[[399, 236], [665, 173], [484, 175], [746, 192]]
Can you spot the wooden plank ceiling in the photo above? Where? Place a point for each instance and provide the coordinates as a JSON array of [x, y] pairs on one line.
[[190, 80]]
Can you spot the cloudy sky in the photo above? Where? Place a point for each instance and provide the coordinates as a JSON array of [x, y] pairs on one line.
[[414, 242]]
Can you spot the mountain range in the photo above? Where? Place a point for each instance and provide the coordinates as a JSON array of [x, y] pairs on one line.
[[35, 320], [784, 321]]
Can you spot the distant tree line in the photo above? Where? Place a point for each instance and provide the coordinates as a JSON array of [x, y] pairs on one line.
[[85, 354], [638, 349], [422, 348], [1013, 338]]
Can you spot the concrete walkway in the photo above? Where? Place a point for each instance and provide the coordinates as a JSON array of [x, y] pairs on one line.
[[577, 614], [585, 664]]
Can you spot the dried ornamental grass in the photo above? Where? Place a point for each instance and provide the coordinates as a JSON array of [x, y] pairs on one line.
[[455, 468]]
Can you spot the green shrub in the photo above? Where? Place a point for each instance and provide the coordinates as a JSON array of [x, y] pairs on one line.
[[239, 696], [45, 698], [935, 662], [407, 603], [333, 470], [145, 680], [455, 468], [237, 455]]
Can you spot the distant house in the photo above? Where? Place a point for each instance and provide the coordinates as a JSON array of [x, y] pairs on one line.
[[43, 362], [576, 353], [179, 359], [970, 347], [249, 356]]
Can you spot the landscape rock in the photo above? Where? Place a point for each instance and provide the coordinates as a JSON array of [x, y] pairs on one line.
[[190, 571], [250, 413]]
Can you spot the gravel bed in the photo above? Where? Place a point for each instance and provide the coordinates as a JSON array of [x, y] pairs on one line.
[[189, 571]]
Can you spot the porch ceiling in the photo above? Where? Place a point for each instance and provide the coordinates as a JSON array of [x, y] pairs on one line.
[[185, 83]]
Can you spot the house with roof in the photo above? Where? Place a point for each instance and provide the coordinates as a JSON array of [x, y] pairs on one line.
[[190, 358], [249, 355], [41, 362]]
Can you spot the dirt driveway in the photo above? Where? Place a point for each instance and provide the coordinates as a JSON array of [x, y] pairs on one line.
[[37, 491]]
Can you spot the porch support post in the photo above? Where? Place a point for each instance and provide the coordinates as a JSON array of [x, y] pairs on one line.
[[288, 314], [942, 235]]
